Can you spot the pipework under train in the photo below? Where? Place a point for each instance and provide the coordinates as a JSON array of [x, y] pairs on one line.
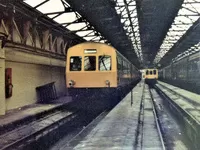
[[96, 69], [184, 73]]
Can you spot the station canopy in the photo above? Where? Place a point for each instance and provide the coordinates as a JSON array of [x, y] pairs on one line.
[[148, 32]]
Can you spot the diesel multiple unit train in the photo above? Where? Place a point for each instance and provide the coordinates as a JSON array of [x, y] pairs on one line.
[[98, 69], [150, 76], [184, 73]]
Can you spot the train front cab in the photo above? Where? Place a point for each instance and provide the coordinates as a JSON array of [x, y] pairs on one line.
[[91, 73], [151, 76], [91, 66]]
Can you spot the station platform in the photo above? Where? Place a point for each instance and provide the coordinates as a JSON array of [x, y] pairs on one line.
[[116, 131], [185, 105], [186, 100], [184, 93], [23, 115]]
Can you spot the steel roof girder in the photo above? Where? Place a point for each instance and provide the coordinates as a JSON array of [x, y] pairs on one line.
[[100, 9], [185, 39]]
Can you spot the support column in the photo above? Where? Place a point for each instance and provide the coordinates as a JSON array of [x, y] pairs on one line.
[[2, 81]]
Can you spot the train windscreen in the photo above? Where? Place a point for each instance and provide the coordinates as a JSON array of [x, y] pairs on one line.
[[75, 63], [90, 63], [104, 63]]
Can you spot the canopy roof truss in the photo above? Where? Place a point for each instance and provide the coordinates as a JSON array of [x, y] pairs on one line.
[[155, 18], [190, 51], [92, 20], [148, 32], [183, 37], [128, 13], [67, 17]]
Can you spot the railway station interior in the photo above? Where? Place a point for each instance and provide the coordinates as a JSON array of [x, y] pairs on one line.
[[100, 74]]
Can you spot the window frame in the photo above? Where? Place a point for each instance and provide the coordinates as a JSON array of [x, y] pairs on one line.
[[147, 72], [110, 63], [71, 63], [88, 58], [154, 71]]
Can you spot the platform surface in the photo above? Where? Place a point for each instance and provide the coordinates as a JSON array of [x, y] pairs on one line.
[[187, 94], [117, 129], [18, 114], [190, 102]]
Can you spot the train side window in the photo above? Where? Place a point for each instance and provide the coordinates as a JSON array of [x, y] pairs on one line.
[[104, 63], [154, 71], [147, 72], [90, 63], [150, 72], [119, 64], [75, 63]]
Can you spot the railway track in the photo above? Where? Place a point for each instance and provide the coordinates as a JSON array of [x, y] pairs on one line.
[[157, 121], [45, 131], [149, 133], [23, 135]]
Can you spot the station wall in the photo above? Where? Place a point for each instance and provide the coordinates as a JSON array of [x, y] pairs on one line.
[[27, 74]]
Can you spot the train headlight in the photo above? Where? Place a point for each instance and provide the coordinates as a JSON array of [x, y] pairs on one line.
[[107, 83], [71, 83]]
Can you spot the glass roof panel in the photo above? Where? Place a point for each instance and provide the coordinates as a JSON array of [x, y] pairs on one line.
[[97, 38], [33, 3], [76, 26], [102, 41], [54, 8], [51, 6], [128, 13], [131, 8], [89, 38], [51, 16], [190, 51], [83, 33], [66, 18]]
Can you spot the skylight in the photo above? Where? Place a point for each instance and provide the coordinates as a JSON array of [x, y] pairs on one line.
[[127, 10], [191, 50], [62, 18], [186, 17], [56, 10]]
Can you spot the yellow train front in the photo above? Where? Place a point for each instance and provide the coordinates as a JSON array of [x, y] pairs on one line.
[[96, 70], [151, 76]]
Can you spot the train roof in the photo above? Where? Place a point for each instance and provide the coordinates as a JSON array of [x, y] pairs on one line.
[[91, 42], [151, 69]]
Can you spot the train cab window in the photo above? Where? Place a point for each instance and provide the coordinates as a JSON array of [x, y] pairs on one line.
[[150, 72], [154, 71], [90, 63], [147, 72], [104, 63], [75, 63]]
